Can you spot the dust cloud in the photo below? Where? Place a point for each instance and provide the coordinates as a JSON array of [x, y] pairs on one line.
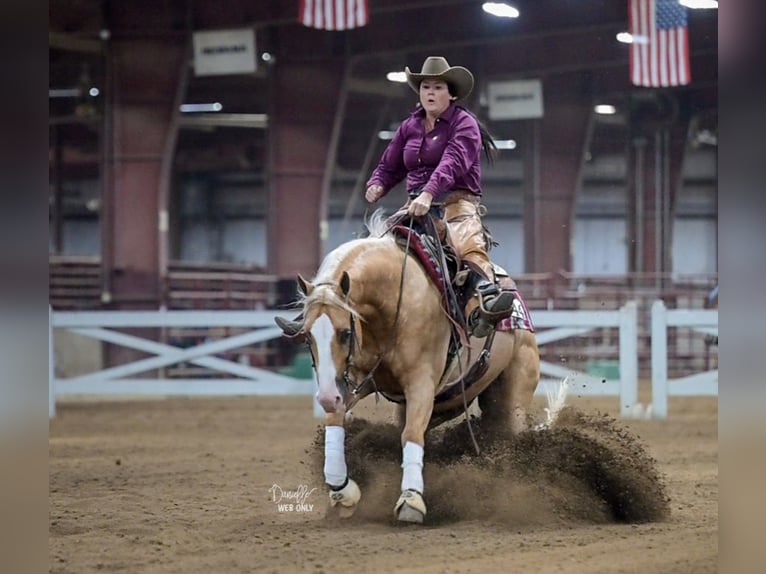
[[586, 468]]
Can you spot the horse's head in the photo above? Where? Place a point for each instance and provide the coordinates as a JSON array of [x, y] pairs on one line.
[[332, 331]]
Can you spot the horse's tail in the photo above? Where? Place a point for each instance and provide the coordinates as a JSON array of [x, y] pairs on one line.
[[376, 223], [556, 402]]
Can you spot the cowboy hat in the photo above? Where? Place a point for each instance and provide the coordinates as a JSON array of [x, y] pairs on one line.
[[437, 68]]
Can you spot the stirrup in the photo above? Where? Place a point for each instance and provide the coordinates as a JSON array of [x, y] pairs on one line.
[[496, 307], [490, 311]]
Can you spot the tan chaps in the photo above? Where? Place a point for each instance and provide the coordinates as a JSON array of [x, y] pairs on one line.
[[466, 233]]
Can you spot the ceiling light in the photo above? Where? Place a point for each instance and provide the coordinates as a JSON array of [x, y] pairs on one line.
[[605, 109], [196, 108], [628, 38], [625, 37], [699, 4], [64, 93], [386, 135], [500, 9], [707, 137], [396, 77], [505, 144], [94, 91]]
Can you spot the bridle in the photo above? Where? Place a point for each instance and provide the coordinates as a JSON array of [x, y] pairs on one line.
[[345, 381]]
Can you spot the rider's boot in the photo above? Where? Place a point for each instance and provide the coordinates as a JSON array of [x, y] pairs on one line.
[[494, 305]]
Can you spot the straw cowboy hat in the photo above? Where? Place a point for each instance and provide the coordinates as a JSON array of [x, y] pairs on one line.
[[437, 68]]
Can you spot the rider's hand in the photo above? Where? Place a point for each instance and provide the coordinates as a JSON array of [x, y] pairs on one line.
[[421, 204], [374, 193]]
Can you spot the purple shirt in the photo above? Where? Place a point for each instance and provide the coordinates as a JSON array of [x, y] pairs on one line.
[[444, 159]]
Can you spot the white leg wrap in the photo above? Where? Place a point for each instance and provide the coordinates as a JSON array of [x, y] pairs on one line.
[[335, 471], [412, 467]]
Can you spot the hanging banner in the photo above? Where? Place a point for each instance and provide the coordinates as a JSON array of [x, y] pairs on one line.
[[515, 100], [222, 52]]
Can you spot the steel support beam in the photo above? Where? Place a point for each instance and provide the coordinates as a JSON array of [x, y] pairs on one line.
[[144, 76], [304, 105], [553, 158], [655, 163]]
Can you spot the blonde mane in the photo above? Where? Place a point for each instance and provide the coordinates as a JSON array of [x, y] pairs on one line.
[[376, 223], [326, 281]]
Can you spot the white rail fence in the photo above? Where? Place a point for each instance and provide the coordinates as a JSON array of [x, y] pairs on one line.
[[564, 324], [699, 384], [115, 380], [248, 380]]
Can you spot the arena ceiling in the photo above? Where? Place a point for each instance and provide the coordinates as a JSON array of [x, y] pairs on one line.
[[570, 44]]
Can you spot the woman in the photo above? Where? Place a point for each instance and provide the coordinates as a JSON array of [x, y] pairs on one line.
[[437, 149]]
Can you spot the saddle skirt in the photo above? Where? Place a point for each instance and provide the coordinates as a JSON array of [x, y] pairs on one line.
[[454, 298], [423, 247]]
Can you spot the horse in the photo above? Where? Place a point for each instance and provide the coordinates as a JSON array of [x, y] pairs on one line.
[[374, 322]]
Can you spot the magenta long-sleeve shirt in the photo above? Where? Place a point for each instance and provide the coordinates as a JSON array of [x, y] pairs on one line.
[[444, 159]]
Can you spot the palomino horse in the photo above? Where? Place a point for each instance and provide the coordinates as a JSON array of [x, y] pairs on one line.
[[374, 322]]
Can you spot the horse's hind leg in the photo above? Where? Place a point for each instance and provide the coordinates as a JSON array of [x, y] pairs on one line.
[[505, 402]]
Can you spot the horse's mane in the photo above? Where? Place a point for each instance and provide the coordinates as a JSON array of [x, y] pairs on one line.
[[376, 223], [326, 280]]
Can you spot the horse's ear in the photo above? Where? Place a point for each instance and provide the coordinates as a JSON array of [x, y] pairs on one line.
[[305, 287], [345, 283]]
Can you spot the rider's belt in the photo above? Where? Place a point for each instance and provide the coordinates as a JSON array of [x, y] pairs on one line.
[[457, 195]]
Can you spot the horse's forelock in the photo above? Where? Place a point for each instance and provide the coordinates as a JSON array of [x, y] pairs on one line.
[[326, 295]]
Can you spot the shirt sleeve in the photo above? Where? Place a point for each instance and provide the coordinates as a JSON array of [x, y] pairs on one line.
[[461, 151], [391, 169]]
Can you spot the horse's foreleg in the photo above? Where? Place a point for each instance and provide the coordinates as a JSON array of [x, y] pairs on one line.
[[410, 507], [343, 491]]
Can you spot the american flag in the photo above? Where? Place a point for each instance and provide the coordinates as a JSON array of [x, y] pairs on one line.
[[659, 54], [333, 14]]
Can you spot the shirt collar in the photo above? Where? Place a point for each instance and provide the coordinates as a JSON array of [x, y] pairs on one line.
[[447, 114]]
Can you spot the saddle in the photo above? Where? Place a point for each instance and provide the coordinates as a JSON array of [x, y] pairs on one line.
[[425, 238], [426, 241]]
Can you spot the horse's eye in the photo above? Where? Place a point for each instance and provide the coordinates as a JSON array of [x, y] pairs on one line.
[[344, 336]]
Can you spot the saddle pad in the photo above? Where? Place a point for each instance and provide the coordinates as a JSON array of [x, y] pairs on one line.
[[424, 255], [520, 317]]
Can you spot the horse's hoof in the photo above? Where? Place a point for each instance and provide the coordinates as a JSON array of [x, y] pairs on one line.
[[347, 499], [347, 511], [410, 515], [410, 507]]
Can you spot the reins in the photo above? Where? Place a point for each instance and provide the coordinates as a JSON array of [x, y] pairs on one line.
[[370, 377], [346, 378]]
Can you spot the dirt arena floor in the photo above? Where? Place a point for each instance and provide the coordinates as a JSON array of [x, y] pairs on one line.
[[192, 486]]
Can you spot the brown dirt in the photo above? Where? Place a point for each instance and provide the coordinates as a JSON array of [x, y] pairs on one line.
[[183, 485]]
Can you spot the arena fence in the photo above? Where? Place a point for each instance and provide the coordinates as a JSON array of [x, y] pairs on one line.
[[236, 329], [702, 321]]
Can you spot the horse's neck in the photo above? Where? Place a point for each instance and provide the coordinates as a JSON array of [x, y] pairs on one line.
[[376, 289]]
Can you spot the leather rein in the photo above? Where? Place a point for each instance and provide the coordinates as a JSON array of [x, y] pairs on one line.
[[345, 379]]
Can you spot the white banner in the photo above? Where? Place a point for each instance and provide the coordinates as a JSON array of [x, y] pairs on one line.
[[516, 100], [224, 52]]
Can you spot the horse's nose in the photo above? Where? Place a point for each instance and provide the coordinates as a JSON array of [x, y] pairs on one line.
[[329, 401]]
